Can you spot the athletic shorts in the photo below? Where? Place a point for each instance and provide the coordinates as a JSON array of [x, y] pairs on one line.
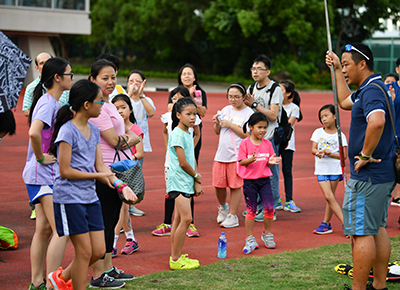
[[77, 218], [329, 177], [365, 207], [175, 194], [36, 191], [225, 175]]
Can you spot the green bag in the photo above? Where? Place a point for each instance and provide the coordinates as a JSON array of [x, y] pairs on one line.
[[8, 239]]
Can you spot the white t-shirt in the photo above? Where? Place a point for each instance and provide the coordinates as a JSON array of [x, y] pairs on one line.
[[327, 165], [167, 119], [261, 96], [292, 110], [226, 152]]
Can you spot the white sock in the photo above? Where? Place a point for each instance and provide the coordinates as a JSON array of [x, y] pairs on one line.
[[130, 235], [115, 240]]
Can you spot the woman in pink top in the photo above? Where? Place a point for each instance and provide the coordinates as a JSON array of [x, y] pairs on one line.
[[255, 156], [112, 128]]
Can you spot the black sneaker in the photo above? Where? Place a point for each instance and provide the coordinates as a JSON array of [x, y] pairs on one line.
[[370, 287], [106, 282], [119, 275]]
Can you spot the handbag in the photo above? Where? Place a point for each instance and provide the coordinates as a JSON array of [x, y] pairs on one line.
[[396, 150], [130, 172]]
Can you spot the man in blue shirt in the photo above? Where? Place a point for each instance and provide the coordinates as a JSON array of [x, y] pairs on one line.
[[371, 155]]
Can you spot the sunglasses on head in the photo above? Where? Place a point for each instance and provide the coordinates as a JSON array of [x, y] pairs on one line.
[[349, 47]]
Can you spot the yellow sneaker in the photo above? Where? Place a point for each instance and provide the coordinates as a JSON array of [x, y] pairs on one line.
[[183, 263], [33, 214]]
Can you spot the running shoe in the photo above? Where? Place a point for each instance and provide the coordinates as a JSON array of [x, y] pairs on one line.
[[130, 247], [135, 211], [259, 216], [370, 287], [40, 287], [291, 206], [279, 206], [183, 263], [268, 239], [33, 215], [395, 202], [192, 231], [323, 229], [114, 252], [57, 282], [231, 221], [162, 230], [119, 275], [106, 282], [251, 245], [222, 213]]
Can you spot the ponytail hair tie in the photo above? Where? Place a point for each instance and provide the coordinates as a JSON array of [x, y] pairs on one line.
[[68, 104]]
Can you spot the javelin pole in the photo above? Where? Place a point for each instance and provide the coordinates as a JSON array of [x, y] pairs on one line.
[[335, 97]]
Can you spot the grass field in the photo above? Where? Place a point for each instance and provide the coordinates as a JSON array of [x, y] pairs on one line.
[[304, 269]]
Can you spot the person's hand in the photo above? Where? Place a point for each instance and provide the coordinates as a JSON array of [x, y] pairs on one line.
[[332, 59], [191, 91], [392, 93], [274, 160], [320, 154], [104, 178], [361, 163], [215, 118], [129, 195], [198, 178], [249, 99], [198, 190], [253, 158], [48, 159], [327, 152], [226, 123], [131, 139]]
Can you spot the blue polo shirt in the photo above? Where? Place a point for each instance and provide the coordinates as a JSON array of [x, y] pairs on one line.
[[367, 100], [396, 104]]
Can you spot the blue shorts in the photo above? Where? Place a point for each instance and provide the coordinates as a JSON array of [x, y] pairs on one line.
[[36, 191], [329, 177], [77, 218], [365, 207]]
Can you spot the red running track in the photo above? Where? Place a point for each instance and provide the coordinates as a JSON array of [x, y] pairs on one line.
[[292, 231]]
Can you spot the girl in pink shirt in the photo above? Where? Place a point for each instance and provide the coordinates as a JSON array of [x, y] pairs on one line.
[[124, 107], [255, 156]]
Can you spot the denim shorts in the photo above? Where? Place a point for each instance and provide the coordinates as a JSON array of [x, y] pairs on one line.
[[330, 177]]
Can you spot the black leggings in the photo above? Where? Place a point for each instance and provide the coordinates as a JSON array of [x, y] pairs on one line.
[[110, 208]]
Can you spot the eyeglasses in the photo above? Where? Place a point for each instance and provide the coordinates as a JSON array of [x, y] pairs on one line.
[[101, 102], [258, 69], [71, 74], [349, 47]]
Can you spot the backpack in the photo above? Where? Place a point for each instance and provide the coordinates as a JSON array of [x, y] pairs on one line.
[[284, 131], [8, 239]]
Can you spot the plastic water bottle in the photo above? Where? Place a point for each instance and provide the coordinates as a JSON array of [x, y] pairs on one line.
[[222, 246]]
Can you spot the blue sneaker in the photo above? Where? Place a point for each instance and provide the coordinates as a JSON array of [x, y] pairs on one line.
[[279, 206], [291, 206], [323, 229], [259, 216]]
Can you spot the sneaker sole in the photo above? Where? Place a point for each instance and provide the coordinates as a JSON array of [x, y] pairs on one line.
[[228, 227], [137, 214], [323, 233], [110, 287], [128, 253], [248, 252], [279, 208], [270, 247], [193, 236], [161, 235], [52, 282], [287, 209], [394, 204]]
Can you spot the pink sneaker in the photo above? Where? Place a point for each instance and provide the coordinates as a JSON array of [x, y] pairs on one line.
[[162, 230], [130, 247], [192, 231], [57, 282]]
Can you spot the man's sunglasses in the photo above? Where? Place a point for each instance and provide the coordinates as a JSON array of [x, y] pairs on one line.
[[349, 47]]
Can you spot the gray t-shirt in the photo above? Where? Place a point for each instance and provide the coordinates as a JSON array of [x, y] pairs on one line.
[[83, 157], [261, 96]]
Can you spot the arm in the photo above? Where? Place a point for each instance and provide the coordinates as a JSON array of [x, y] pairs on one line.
[[343, 91], [35, 136], [196, 139], [217, 125], [272, 113], [170, 105], [147, 106], [250, 160], [292, 120], [139, 150], [180, 152], [201, 110], [315, 151], [165, 136], [130, 137], [26, 113]]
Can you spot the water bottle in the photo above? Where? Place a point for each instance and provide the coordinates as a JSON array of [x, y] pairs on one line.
[[222, 246], [197, 98]]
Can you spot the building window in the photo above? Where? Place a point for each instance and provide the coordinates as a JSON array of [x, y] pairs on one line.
[[70, 4], [50, 4], [35, 3]]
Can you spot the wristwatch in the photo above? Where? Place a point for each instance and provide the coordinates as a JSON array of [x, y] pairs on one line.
[[363, 157], [254, 105]]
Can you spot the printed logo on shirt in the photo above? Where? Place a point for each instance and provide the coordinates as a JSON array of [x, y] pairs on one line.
[[260, 156], [332, 145]]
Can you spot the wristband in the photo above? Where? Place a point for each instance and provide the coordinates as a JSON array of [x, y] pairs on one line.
[[195, 176], [40, 160], [121, 187], [117, 181], [363, 157]]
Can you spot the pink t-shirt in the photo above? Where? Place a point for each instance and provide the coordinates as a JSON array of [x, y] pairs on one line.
[[138, 131], [260, 168], [109, 118]]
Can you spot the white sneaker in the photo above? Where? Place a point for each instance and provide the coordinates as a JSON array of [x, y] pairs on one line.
[[136, 212], [251, 245], [222, 213], [231, 221]]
